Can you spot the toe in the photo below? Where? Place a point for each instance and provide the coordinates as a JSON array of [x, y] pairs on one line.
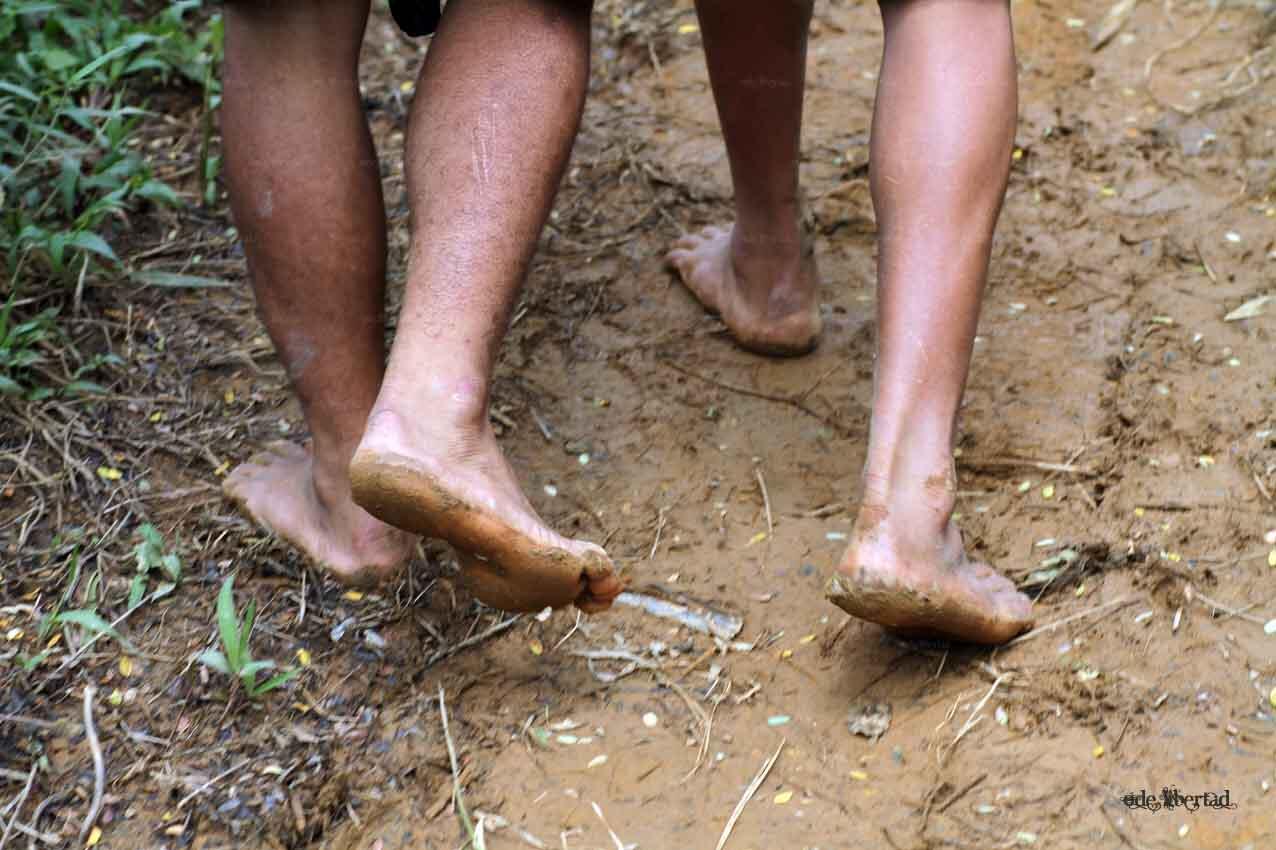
[[680, 259], [1016, 607], [688, 242]]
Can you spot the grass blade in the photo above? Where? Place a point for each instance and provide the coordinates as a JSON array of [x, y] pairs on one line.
[[174, 280], [228, 622]]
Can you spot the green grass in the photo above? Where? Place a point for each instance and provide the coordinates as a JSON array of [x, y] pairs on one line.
[[73, 81], [234, 658]]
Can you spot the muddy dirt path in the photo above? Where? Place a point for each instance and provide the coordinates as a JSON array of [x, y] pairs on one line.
[[1118, 455], [1129, 231]]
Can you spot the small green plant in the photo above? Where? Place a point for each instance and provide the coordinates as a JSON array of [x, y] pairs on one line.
[[19, 350], [20, 344], [85, 618], [234, 658], [73, 80], [151, 557]]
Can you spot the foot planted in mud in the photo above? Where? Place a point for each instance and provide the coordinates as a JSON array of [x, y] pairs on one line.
[[919, 591], [763, 290], [282, 490]]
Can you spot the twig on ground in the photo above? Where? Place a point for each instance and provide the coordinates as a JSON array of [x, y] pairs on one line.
[[17, 805], [27, 721], [458, 795], [620, 845], [660, 527], [39, 813], [1216, 7], [210, 783], [1020, 463], [1227, 609], [1115, 605], [973, 718], [748, 795], [448, 652], [570, 632], [99, 764], [965, 789], [766, 502], [792, 401]]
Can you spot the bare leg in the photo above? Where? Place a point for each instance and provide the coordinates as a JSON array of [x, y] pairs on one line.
[[497, 107], [306, 196], [759, 274], [943, 131]]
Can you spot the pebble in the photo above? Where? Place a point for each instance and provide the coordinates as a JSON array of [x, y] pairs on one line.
[[650, 720]]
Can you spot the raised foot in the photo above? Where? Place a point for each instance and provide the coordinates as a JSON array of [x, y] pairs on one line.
[[963, 600], [276, 488], [765, 293], [469, 497]]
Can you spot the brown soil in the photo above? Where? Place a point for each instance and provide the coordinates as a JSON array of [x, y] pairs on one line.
[[1140, 212]]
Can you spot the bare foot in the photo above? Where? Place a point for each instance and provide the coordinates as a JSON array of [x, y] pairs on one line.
[[925, 588], [765, 292], [278, 490], [459, 488]]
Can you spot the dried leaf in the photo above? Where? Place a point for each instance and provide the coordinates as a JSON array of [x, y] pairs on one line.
[[1111, 23], [1250, 309]]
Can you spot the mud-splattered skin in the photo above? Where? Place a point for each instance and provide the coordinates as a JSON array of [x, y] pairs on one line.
[[942, 133], [509, 558], [490, 132]]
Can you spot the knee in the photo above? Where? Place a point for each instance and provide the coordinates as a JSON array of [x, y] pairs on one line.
[[267, 32]]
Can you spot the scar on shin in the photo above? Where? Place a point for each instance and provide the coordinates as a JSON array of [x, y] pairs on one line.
[[766, 83]]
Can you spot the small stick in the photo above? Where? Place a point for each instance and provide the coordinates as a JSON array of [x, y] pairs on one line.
[[542, 426], [1039, 630], [766, 502], [660, 527], [748, 795], [27, 721], [836, 426], [620, 845], [470, 641], [570, 632], [35, 835], [458, 797], [210, 783], [1231, 612], [99, 764], [1015, 463], [17, 805], [966, 789]]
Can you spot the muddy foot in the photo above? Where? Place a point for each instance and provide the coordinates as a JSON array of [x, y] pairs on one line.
[[277, 489], [764, 292], [468, 496], [946, 595]]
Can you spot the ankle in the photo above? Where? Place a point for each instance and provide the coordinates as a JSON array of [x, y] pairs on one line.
[[762, 232], [439, 404], [771, 265], [918, 500]]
